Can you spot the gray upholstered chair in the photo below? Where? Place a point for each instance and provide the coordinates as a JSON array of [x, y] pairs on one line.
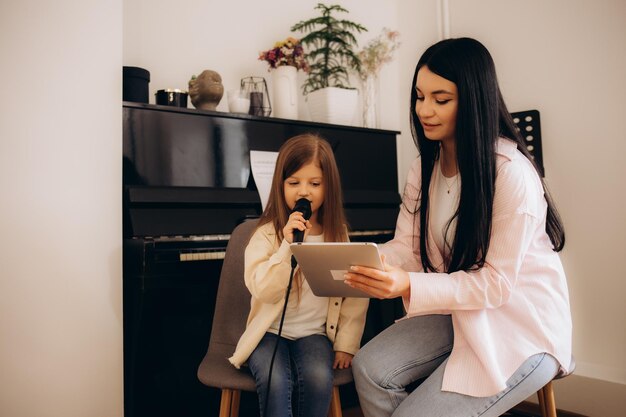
[[229, 321]]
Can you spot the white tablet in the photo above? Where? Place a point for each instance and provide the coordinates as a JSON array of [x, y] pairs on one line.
[[324, 265]]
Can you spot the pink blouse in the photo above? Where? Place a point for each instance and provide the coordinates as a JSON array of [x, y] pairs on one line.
[[517, 305]]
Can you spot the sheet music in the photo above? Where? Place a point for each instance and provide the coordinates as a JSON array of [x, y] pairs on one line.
[[263, 164]]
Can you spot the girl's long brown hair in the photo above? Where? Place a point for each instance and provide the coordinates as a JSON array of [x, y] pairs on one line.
[[293, 155]]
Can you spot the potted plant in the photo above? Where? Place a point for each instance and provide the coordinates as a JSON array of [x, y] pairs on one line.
[[330, 42]]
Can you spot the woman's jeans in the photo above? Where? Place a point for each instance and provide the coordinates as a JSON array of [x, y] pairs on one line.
[[417, 348], [302, 375]]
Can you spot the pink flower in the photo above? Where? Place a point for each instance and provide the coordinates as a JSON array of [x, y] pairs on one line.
[[287, 52], [378, 52]]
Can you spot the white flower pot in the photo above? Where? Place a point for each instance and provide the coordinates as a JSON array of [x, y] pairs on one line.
[[285, 89], [333, 105]]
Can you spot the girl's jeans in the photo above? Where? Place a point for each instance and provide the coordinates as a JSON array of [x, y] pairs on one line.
[[302, 375], [418, 348]]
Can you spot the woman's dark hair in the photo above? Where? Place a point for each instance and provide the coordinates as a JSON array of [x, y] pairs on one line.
[[482, 117]]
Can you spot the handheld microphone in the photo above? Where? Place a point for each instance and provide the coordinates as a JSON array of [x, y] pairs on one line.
[[303, 206]]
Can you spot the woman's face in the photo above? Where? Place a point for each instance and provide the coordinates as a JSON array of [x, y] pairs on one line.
[[436, 105]]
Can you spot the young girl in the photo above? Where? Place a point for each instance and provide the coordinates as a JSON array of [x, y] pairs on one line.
[[319, 334], [488, 320]]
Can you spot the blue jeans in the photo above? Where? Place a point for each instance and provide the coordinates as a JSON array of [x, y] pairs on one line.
[[302, 375], [418, 348]]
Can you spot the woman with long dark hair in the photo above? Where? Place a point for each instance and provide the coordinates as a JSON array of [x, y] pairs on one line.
[[474, 257]]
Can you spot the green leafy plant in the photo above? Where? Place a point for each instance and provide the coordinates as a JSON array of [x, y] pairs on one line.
[[330, 44]]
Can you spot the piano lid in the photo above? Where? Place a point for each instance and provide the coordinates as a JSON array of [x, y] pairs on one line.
[[192, 148]]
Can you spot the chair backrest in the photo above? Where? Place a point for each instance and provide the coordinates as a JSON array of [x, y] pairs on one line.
[[232, 305]]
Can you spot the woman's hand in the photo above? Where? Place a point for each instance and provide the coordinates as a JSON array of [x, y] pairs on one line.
[[391, 283], [343, 360], [295, 221]]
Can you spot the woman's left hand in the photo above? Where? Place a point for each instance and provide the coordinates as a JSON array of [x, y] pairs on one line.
[[391, 283]]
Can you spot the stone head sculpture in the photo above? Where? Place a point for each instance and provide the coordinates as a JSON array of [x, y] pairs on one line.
[[206, 90]]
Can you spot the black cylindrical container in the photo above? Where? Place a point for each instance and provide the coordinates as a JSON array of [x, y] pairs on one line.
[[256, 104], [171, 97], [135, 84]]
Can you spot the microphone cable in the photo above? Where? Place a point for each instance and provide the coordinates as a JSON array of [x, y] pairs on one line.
[[280, 330], [304, 206]]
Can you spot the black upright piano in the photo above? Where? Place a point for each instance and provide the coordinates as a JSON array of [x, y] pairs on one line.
[[187, 184]]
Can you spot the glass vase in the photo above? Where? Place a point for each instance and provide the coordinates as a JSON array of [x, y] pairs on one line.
[[370, 87]]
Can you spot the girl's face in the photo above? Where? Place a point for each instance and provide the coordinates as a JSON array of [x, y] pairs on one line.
[[436, 105], [307, 182]]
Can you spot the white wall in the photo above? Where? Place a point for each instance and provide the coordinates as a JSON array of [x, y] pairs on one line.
[[60, 210], [568, 60], [418, 24]]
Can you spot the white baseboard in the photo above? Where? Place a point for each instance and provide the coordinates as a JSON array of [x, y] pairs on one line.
[[604, 373]]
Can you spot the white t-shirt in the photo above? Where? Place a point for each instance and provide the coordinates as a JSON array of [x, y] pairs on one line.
[[306, 315], [443, 203]]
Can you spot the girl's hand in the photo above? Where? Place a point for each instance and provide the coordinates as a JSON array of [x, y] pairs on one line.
[[295, 221], [391, 283], [343, 360]]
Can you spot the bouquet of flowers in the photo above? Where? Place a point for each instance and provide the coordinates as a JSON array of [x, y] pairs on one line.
[[377, 52], [287, 52]]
